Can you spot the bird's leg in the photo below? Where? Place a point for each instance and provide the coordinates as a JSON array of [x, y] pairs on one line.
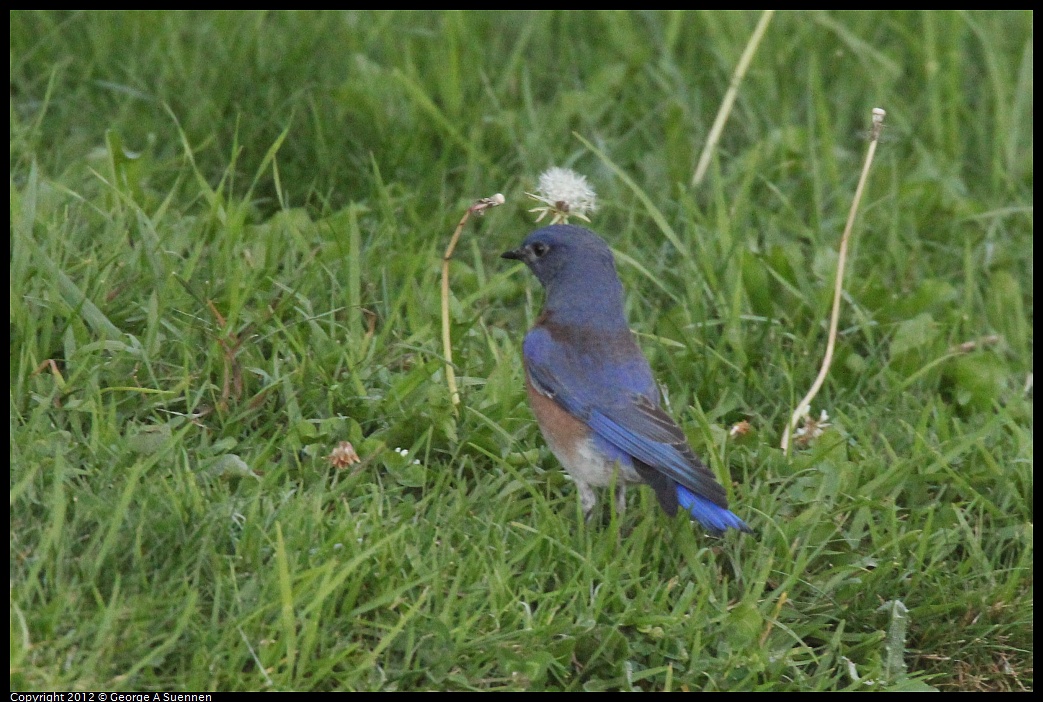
[[587, 499], [621, 497]]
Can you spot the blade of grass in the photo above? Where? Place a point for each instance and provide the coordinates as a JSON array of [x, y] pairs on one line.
[[654, 212]]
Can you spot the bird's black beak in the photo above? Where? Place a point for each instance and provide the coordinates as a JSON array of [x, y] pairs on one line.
[[516, 254]]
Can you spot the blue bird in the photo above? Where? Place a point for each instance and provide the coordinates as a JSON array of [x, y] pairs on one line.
[[592, 390]]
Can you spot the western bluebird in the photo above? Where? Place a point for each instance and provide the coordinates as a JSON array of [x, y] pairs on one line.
[[592, 390]]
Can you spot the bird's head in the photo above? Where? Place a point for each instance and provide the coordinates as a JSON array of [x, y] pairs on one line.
[[561, 250], [576, 267]]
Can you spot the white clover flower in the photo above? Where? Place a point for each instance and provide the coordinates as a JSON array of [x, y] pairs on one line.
[[812, 428], [404, 453], [343, 455], [740, 429], [564, 193]]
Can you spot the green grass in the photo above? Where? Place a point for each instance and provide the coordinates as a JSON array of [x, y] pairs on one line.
[[226, 232]]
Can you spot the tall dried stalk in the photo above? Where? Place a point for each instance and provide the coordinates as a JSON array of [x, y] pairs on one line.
[[729, 97], [478, 207], [804, 406]]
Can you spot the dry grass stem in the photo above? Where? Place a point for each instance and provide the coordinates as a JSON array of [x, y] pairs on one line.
[[729, 97], [804, 406], [479, 207]]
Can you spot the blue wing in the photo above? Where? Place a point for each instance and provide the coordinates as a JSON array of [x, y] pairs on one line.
[[609, 386]]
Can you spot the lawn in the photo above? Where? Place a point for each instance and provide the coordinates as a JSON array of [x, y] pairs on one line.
[[227, 233]]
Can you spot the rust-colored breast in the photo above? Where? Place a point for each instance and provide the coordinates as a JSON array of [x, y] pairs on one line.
[[563, 432]]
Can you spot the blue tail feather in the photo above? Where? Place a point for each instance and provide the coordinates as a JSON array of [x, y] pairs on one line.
[[715, 519]]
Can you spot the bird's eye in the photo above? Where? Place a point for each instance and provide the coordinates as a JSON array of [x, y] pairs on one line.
[[539, 249]]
